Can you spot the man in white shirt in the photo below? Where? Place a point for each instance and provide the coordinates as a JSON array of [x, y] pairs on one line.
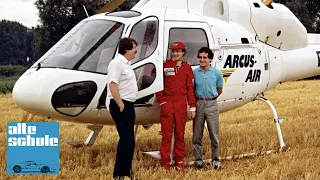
[[122, 93]]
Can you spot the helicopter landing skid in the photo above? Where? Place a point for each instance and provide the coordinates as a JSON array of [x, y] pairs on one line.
[[91, 139]]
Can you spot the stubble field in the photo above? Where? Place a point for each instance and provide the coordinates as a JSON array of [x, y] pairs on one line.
[[243, 130]]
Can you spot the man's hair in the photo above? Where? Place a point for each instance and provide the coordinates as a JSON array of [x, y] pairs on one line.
[[184, 51], [206, 50], [126, 44]]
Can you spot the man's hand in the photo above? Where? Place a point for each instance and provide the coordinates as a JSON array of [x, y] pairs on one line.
[[116, 95], [192, 114], [121, 106]]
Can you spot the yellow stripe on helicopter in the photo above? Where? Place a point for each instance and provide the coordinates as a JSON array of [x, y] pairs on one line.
[[226, 73]]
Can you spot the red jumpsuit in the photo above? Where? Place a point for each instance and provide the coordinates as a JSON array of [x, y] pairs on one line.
[[178, 89]]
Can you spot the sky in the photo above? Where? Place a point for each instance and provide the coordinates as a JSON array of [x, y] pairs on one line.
[[23, 11]]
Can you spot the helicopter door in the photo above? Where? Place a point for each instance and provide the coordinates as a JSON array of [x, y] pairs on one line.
[[148, 62], [276, 68]]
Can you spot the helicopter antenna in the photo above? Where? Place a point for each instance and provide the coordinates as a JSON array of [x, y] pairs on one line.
[[85, 10]]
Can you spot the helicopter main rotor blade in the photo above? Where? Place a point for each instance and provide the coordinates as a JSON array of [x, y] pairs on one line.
[[267, 2], [111, 6]]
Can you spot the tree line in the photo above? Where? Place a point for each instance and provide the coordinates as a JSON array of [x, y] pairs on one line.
[[16, 44], [20, 45]]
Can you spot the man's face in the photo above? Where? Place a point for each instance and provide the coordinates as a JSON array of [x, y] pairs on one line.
[[132, 53], [177, 54], [204, 60]]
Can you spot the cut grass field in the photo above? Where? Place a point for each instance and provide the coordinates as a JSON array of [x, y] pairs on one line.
[[7, 83], [249, 128]]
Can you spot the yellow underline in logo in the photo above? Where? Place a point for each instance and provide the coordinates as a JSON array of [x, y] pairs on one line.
[[226, 73]]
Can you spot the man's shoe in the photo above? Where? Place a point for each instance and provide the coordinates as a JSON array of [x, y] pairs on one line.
[[180, 166], [119, 178], [123, 178], [198, 166], [217, 165]]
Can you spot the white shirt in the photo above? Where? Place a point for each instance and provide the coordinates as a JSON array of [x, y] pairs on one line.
[[121, 73]]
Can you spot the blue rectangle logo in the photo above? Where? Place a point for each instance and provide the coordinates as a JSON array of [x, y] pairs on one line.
[[33, 148]]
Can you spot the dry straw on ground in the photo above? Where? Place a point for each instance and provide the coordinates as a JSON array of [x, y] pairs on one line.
[[246, 129]]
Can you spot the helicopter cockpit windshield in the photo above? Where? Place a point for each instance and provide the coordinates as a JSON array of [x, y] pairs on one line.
[[85, 47]]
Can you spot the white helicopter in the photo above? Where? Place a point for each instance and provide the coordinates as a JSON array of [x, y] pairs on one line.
[[256, 45]]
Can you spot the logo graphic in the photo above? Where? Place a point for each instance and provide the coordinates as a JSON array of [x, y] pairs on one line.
[[33, 148], [226, 73]]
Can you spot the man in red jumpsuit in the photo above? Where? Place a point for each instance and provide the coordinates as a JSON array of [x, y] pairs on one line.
[[177, 94]]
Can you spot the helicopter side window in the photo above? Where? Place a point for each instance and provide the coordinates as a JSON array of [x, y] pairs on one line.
[[193, 39], [72, 99], [145, 75], [145, 33]]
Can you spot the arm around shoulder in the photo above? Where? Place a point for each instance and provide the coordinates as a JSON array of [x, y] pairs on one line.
[[190, 90]]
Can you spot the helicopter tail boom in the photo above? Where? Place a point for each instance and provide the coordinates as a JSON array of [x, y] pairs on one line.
[[304, 62]]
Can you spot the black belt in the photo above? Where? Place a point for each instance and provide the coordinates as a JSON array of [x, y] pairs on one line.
[[207, 99]]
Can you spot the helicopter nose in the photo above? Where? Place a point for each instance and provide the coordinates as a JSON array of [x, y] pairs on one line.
[[47, 92], [27, 92]]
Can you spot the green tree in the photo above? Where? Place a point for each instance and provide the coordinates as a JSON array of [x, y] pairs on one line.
[[16, 43]]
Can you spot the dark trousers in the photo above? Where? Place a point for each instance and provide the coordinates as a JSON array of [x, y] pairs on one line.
[[125, 126]]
